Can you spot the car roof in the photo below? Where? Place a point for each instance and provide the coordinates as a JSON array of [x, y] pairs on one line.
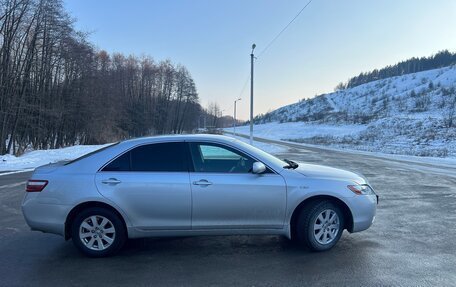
[[96, 160], [189, 137]]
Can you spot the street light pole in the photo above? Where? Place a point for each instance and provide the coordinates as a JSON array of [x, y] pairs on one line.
[[251, 94], [221, 118], [234, 121]]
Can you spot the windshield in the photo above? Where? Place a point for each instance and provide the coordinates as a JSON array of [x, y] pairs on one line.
[[91, 153], [263, 154]]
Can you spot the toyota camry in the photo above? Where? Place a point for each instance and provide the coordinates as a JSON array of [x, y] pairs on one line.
[[193, 185]]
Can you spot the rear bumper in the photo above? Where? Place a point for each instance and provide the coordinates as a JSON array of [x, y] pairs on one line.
[[364, 209], [49, 218]]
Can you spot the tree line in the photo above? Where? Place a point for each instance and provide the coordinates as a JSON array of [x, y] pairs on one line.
[[413, 65], [57, 89]]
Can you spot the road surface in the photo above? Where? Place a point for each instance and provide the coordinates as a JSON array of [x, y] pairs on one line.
[[412, 241]]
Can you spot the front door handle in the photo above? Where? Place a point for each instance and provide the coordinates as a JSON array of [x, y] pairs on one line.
[[113, 181], [202, 182]]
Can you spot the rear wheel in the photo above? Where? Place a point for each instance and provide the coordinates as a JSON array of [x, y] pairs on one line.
[[98, 232], [320, 225]]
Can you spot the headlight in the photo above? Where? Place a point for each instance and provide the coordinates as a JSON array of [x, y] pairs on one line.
[[361, 189]]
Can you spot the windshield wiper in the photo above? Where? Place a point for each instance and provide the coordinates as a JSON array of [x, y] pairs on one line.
[[291, 164]]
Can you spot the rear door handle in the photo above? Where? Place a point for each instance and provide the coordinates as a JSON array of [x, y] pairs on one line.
[[202, 182], [113, 181]]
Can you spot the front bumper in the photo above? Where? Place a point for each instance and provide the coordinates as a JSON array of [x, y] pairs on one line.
[[364, 209]]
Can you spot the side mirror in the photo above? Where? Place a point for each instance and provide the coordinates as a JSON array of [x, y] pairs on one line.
[[258, 167]]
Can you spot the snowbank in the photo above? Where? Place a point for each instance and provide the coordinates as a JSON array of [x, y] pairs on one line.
[[37, 158], [293, 130]]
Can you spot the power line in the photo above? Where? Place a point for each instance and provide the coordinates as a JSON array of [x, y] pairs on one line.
[[283, 30], [243, 87], [241, 93], [270, 44], [229, 108]]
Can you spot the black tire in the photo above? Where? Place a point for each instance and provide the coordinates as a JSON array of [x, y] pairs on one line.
[[305, 233], [119, 237]]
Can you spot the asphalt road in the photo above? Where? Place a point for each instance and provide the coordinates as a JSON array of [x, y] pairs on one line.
[[412, 241]]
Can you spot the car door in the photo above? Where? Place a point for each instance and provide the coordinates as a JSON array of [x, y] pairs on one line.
[[226, 194], [150, 183]]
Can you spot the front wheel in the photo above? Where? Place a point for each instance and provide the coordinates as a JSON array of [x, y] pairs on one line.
[[98, 232], [320, 225]]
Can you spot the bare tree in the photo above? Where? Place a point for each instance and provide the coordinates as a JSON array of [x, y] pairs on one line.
[[56, 89]]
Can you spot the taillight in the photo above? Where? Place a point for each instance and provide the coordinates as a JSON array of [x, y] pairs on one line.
[[34, 185]]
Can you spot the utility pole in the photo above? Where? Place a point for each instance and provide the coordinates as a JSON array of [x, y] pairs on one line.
[[234, 121], [251, 94]]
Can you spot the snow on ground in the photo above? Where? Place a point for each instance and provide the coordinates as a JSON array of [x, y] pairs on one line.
[[416, 140], [448, 161], [294, 130], [289, 131], [37, 158]]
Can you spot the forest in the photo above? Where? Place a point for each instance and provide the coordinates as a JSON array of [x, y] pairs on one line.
[[413, 65], [57, 89]]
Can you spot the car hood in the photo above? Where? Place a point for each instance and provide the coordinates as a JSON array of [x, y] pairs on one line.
[[320, 171]]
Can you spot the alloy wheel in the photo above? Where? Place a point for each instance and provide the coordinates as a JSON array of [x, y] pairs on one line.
[[326, 226], [97, 232]]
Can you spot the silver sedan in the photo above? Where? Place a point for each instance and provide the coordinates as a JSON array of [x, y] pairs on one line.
[[193, 185]]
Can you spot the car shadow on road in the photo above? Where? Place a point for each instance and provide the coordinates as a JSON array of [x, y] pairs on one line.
[[245, 260]]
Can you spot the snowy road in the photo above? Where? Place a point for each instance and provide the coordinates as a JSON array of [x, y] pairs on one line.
[[411, 242]]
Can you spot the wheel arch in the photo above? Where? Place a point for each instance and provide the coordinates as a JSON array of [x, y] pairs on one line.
[[343, 206], [88, 204]]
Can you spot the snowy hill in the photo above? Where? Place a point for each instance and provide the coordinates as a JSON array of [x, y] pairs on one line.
[[413, 114]]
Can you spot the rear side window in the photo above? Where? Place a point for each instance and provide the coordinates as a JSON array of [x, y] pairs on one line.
[[160, 157], [122, 163], [165, 157]]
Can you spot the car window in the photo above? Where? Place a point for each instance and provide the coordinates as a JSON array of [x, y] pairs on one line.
[[215, 152], [161, 157], [220, 159], [170, 157], [122, 163]]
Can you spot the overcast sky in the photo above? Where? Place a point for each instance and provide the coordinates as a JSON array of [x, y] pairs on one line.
[[331, 40]]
